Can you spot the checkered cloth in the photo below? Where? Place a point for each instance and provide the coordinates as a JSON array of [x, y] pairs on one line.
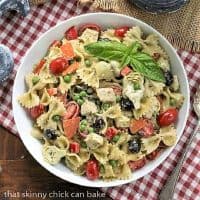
[[18, 34]]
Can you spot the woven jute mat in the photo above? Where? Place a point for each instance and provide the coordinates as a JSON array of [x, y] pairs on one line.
[[181, 28]]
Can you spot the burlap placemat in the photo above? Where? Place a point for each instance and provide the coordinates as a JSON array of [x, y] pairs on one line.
[[37, 2], [181, 28]]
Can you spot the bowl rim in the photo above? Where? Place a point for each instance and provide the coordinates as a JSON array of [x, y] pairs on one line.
[[114, 182]]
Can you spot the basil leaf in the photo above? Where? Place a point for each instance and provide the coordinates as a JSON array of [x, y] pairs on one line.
[[143, 57], [127, 55], [148, 68], [107, 50], [136, 46]]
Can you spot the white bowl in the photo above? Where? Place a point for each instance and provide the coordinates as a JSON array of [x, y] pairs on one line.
[[38, 50]]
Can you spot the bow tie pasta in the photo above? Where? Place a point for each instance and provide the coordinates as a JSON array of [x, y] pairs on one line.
[[100, 101]]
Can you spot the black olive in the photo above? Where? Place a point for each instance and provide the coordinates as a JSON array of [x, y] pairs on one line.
[[120, 77], [104, 39], [126, 104], [79, 88], [50, 134], [168, 78], [98, 124], [90, 90], [134, 145]]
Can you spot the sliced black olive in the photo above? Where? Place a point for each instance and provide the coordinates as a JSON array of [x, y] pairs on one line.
[[50, 134], [98, 124], [90, 90], [134, 145], [104, 39], [126, 104], [168, 78]]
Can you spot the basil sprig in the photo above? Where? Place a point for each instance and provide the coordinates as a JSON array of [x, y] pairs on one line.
[[139, 61]]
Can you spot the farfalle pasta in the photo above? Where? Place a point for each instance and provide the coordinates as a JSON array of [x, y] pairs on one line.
[[100, 101]]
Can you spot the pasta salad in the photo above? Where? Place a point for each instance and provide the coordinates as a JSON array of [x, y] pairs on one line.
[[103, 102]]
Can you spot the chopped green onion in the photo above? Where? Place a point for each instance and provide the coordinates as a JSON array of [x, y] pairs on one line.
[[80, 101], [67, 78], [116, 138], [56, 118], [88, 63], [82, 127], [102, 169], [172, 102], [83, 144], [113, 163], [35, 80], [83, 94], [84, 122], [105, 106], [78, 58], [118, 98], [136, 86]]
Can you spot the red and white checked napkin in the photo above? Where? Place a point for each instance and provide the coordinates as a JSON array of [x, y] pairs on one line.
[[18, 34]]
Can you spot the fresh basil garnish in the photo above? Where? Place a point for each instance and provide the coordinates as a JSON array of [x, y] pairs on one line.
[[139, 61]]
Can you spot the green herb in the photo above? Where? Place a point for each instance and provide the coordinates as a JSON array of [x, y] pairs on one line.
[[102, 169], [83, 144], [107, 50], [118, 98], [136, 86], [144, 152], [116, 138], [56, 118], [35, 80], [127, 55], [172, 102], [113, 163], [105, 106], [88, 63], [67, 78]]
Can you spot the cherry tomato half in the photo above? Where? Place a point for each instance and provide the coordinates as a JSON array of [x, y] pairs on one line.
[[92, 170], [125, 71], [89, 26], [137, 164], [58, 65], [120, 32], [36, 111], [74, 147], [111, 132], [71, 33], [168, 117]]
